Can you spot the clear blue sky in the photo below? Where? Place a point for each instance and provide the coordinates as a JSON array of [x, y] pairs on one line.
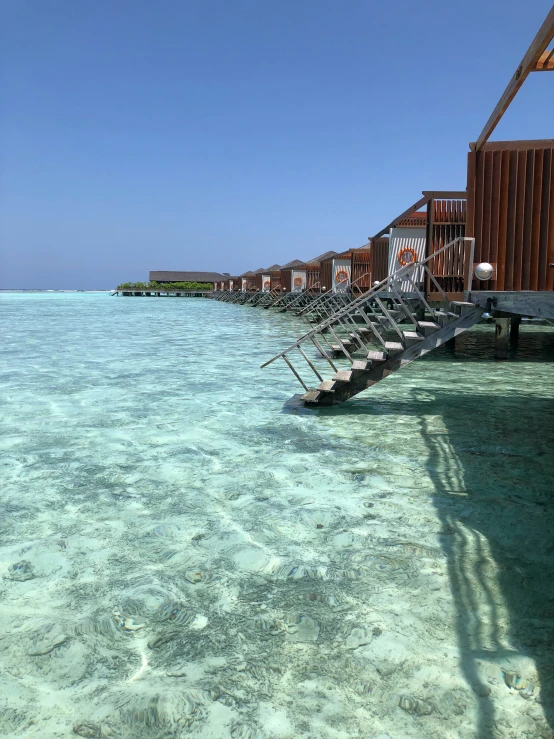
[[231, 135]]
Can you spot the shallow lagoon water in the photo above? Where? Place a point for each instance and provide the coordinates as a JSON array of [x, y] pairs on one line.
[[182, 556]]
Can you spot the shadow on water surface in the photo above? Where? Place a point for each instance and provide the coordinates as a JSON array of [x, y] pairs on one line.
[[487, 448], [485, 444], [491, 468], [499, 546]]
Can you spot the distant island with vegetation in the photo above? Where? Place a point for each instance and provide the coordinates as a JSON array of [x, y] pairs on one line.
[[165, 286]]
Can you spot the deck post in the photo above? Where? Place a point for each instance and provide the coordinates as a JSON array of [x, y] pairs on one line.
[[515, 322], [501, 338]]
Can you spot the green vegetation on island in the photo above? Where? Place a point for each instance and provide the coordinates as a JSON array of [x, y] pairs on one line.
[[166, 286]]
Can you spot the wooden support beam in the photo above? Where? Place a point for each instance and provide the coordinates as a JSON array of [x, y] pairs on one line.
[[515, 322], [420, 203], [528, 64], [546, 62], [501, 338], [445, 194]]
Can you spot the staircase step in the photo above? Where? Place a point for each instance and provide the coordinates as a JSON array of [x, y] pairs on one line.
[[394, 347], [428, 327], [374, 356], [353, 337], [412, 337], [327, 386], [343, 376], [361, 364], [347, 344], [312, 396], [319, 397], [461, 307], [444, 318]]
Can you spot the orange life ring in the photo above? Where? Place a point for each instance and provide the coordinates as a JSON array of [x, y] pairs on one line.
[[341, 276], [297, 282], [405, 251], [267, 283]]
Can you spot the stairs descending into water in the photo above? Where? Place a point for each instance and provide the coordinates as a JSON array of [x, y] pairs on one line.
[[366, 339], [393, 356]]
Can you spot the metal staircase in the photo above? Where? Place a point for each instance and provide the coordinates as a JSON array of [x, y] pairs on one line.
[[386, 328], [301, 300]]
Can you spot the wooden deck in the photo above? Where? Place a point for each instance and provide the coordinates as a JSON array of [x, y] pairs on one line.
[[161, 294]]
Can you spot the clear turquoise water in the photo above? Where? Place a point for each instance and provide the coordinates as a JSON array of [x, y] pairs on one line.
[[181, 557]]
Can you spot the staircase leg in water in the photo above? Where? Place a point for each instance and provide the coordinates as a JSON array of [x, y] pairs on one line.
[[515, 322], [501, 338]]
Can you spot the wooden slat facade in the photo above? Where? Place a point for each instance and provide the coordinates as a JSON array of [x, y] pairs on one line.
[[361, 270], [446, 221], [379, 259], [326, 270], [286, 280], [326, 274], [511, 213], [312, 276]]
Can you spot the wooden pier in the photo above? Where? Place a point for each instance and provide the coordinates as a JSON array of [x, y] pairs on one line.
[[162, 294]]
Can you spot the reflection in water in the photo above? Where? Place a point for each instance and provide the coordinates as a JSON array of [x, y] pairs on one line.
[[178, 558]]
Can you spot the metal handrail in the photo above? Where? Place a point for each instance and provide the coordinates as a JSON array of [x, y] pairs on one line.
[[321, 297], [303, 294], [395, 277]]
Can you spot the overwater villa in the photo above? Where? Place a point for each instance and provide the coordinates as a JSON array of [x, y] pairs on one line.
[[489, 248], [427, 276]]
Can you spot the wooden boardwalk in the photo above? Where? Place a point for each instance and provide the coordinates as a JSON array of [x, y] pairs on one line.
[[162, 294]]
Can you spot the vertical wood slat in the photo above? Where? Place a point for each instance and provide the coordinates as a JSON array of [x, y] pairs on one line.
[[494, 213], [536, 220], [486, 213], [511, 222], [502, 220], [550, 229], [527, 221], [520, 218], [546, 213]]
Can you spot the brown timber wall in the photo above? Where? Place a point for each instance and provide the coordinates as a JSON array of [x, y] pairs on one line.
[[326, 274], [511, 213], [312, 277], [286, 280], [361, 271], [446, 221], [380, 259]]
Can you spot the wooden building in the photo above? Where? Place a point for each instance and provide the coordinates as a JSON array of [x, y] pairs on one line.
[[247, 282], [489, 248], [167, 276], [335, 272], [293, 277], [313, 269], [231, 283], [416, 234], [268, 279]]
